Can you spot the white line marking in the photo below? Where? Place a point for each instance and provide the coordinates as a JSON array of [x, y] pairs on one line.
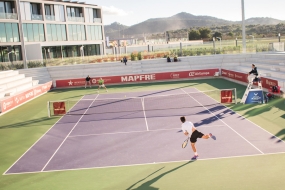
[[144, 114], [40, 138], [244, 117], [222, 121], [145, 164], [68, 134], [117, 133]]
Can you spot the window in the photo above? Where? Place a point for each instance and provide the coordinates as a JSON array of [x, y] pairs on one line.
[[49, 32], [2, 33], [63, 32], [76, 32], [61, 13], [53, 32], [9, 32], [56, 32], [34, 32], [94, 32], [15, 32]]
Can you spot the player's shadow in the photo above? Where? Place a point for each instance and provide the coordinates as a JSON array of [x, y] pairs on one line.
[[280, 135], [147, 184]]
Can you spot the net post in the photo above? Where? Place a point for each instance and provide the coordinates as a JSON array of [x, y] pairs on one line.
[[48, 107], [235, 96]]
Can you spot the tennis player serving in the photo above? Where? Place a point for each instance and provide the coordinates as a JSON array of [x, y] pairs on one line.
[[190, 131], [101, 84]]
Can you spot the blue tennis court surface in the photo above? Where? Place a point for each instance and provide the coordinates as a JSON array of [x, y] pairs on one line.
[[123, 129]]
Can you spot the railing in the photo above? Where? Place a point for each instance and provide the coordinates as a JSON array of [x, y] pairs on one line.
[[9, 16], [37, 17], [75, 19], [50, 17], [97, 20]]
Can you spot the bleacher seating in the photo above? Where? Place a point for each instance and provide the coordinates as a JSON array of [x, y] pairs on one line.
[[11, 82]]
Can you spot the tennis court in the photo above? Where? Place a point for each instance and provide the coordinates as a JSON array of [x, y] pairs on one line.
[[123, 129]]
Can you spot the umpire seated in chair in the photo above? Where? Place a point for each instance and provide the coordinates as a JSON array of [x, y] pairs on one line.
[[253, 76]]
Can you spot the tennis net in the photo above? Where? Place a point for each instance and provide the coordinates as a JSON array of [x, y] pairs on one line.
[[153, 103]]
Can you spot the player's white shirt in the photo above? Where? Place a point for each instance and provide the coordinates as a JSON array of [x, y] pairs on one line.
[[187, 126]]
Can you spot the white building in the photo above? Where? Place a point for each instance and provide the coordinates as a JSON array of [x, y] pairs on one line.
[[50, 29]]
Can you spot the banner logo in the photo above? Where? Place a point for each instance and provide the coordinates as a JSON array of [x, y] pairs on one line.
[[70, 83], [174, 75]]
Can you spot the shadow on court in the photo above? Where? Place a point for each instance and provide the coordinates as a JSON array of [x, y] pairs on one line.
[[280, 134], [29, 123], [147, 185]]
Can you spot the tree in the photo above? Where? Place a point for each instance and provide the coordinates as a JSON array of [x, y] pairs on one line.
[[217, 34], [194, 35], [205, 32], [230, 34]]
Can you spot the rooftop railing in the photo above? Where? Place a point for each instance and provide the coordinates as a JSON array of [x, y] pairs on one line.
[[9, 16]]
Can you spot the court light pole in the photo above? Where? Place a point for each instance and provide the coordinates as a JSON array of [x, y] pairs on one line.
[[214, 45], [236, 42], [243, 27], [279, 37]]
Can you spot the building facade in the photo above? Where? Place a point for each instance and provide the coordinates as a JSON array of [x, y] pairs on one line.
[[49, 29]]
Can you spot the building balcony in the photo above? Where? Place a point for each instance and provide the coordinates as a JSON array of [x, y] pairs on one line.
[[97, 20], [37, 17], [75, 19], [9, 16], [50, 17]]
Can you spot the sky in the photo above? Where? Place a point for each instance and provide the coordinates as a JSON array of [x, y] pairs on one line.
[[130, 12]]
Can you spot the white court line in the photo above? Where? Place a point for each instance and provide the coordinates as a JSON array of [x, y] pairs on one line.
[[129, 132], [145, 164], [68, 134], [244, 117], [40, 138], [144, 114], [137, 97], [223, 121]]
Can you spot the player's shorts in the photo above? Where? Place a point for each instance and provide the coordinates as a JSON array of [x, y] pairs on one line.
[[195, 135], [256, 79], [102, 85]]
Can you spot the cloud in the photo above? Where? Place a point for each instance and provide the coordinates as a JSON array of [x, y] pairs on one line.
[[114, 11]]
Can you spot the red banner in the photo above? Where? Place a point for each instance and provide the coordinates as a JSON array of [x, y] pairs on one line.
[[59, 108], [242, 77], [23, 97], [226, 96], [139, 78]]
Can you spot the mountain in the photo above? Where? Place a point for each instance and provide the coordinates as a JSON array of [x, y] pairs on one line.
[[181, 20]]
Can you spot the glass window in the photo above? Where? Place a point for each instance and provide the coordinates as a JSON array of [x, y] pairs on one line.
[[93, 32], [79, 32], [100, 33], [8, 7], [47, 10], [49, 37], [83, 32], [2, 33], [36, 32], [88, 32], [61, 12], [25, 32], [68, 11], [74, 32], [41, 32], [30, 32], [63, 32], [53, 32], [27, 10], [70, 33], [96, 33], [56, 12], [58, 32], [15, 32], [9, 33], [22, 7]]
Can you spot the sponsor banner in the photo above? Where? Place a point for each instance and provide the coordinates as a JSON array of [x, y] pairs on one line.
[[59, 108], [139, 78], [255, 96], [23, 97], [226, 96], [242, 77]]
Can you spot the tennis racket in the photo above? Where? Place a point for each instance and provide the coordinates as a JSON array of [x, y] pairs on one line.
[[184, 144]]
